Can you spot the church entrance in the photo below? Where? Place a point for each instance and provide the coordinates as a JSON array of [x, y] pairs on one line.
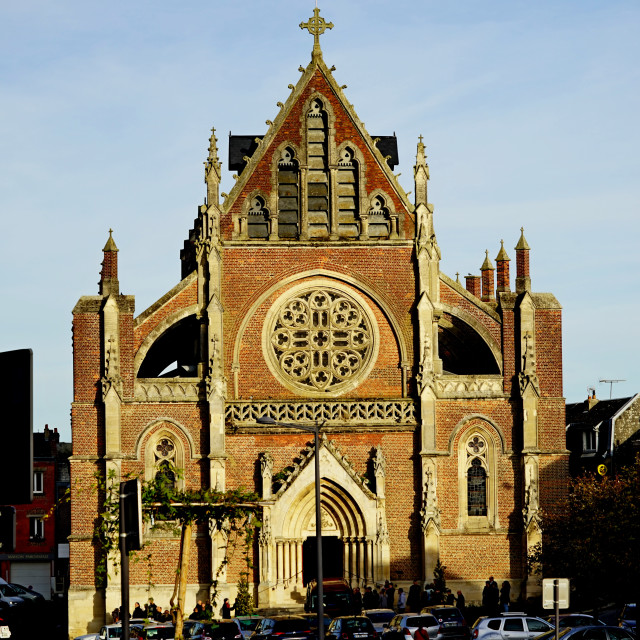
[[332, 558]]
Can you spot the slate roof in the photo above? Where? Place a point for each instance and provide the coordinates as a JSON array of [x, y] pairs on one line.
[[579, 415]]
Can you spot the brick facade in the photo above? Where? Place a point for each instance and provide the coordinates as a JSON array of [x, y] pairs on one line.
[[435, 379]]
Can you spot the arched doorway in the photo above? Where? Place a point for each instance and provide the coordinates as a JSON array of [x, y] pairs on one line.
[[332, 558]]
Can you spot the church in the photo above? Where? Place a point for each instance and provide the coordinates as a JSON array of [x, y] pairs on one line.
[[312, 295]]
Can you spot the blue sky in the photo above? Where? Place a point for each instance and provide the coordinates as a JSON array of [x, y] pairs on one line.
[[529, 112]]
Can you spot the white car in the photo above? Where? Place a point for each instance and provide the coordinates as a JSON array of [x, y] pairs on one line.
[[509, 626]]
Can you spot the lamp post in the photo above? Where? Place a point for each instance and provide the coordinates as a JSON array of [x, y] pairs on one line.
[[315, 429]]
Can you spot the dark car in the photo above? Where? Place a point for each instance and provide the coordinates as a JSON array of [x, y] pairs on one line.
[[575, 620], [589, 633], [629, 618], [28, 595], [451, 621], [283, 628], [313, 620], [351, 628]]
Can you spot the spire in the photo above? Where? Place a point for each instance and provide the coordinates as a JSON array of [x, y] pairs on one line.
[[212, 170], [109, 273], [502, 261], [316, 26], [421, 174], [523, 279], [488, 294]]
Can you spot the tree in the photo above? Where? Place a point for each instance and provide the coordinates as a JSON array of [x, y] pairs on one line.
[[244, 600], [230, 512], [593, 537], [439, 580]]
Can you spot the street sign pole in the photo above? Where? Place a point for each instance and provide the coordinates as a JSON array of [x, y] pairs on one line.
[[556, 605], [124, 563]]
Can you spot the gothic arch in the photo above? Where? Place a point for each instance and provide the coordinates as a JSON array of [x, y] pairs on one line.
[[352, 516], [478, 448], [331, 120], [499, 434], [157, 332], [479, 329], [171, 426], [338, 277]]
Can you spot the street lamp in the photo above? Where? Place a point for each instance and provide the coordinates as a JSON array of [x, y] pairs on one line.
[[315, 429]]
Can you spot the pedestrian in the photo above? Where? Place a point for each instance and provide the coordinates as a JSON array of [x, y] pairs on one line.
[[505, 596], [460, 601], [152, 609], [391, 594], [421, 633], [413, 599], [384, 602], [115, 614], [226, 609], [137, 611], [368, 599], [357, 601], [402, 600]]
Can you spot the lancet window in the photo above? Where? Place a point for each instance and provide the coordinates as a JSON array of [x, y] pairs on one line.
[[348, 200], [318, 171], [258, 219], [379, 219], [288, 195]]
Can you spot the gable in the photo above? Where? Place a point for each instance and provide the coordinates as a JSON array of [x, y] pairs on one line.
[[317, 172]]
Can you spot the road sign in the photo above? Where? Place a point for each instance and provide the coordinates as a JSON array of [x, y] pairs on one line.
[[548, 600]]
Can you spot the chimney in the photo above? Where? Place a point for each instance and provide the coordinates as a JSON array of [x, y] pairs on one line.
[[502, 262], [592, 401], [487, 269], [472, 284], [523, 280]]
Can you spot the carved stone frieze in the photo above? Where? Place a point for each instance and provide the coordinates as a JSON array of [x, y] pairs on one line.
[[337, 412], [450, 386], [182, 390]]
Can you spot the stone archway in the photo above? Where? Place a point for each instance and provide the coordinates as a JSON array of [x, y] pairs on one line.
[[353, 526]]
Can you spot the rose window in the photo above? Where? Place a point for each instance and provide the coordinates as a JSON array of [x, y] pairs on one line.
[[321, 340]]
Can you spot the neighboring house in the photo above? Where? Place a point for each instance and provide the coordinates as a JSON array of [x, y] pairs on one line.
[[40, 554], [312, 294], [602, 432]]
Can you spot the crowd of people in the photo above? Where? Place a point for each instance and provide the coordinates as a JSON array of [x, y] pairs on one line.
[[391, 597]]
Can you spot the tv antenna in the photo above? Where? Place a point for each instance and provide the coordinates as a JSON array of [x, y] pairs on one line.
[[611, 383]]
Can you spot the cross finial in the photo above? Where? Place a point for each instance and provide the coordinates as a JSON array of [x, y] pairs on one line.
[[420, 138], [316, 26]]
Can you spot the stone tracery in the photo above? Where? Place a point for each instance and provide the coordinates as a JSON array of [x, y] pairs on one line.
[[321, 340]]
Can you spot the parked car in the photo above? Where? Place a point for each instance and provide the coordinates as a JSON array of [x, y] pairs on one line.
[[114, 632], [574, 620], [10, 596], [451, 621], [596, 632], [629, 618], [380, 618], [404, 626], [313, 620], [509, 626], [351, 628], [162, 631], [28, 595], [248, 624], [283, 628]]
